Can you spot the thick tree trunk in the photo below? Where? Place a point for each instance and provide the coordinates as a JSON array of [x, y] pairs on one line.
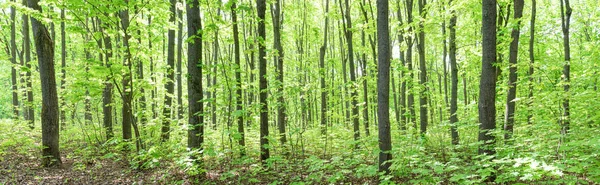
[[127, 87], [566, 18], [261, 7], [383, 85], [454, 79], [195, 96], [45, 53], [487, 84], [509, 118]]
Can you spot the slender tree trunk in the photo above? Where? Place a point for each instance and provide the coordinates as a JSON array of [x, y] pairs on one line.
[[152, 75], [179, 61], [364, 72], [566, 18], [323, 71], [29, 111], [108, 88], [238, 80], [261, 7], [383, 85], [63, 71], [401, 118], [454, 79], [531, 60], [45, 53], [512, 74], [422, 70], [88, 99], [194, 66], [353, 94], [13, 60], [487, 88], [409, 63], [281, 113], [165, 131]]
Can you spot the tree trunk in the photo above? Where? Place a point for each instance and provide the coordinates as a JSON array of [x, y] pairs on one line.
[[238, 80], [422, 70], [29, 111], [487, 87], [127, 93], [195, 96], [281, 113], [45, 52], [179, 61], [531, 60], [108, 86], [13, 60], [512, 74], [261, 7], [409, 64], [169, 86], [353, 94], [323, 72], [454, 79], [63, 71], [383, 85], [566, 18]]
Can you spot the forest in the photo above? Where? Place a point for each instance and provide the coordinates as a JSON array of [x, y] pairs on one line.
[[299, 92]]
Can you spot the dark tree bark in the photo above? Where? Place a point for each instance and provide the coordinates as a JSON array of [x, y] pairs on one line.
[[261, 7], [152, 76], [179, 61], [531, 60], [141, 100], [509, 118], [454, 79], [401, 109], [169, 86], [63, 71], [127, 93], [195, 96], [13, 60], [45, 52], [29, 111], [364, 71], [487, 87], [87, 114], [383, 85], [422, 70], [323, 71], [353, 94], [238, 79], [281, 113], [108, 88], [565, 13], [409, 64]]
